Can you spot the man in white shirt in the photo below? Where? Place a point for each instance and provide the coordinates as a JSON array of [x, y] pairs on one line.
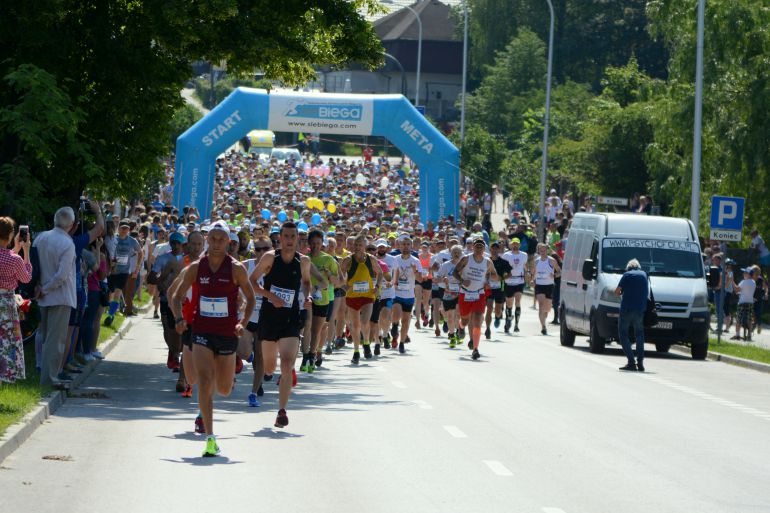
[[56, 295]]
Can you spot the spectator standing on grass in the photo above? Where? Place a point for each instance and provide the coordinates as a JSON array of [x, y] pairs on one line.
[[633, 290], [745, 290], [14, 269], [56, 295]]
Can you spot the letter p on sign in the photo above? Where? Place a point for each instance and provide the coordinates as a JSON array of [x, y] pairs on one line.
[[727, 210]]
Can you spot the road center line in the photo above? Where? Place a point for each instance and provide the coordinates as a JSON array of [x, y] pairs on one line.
[[422, 404], [398, 384], [498, 468], [455, 432]]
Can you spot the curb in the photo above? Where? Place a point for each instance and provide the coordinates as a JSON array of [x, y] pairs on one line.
[[19, 432], [732, 360]]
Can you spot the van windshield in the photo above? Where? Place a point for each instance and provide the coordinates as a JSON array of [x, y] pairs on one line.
[[657, 257]]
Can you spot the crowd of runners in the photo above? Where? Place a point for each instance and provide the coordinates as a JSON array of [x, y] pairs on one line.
[[268, 275]]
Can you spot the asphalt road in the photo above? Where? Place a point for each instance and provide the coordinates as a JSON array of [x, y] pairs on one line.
[[530, 427]]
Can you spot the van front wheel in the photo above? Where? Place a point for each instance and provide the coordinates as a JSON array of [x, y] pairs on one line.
[[662, 347], [699, 351], [596, 342]]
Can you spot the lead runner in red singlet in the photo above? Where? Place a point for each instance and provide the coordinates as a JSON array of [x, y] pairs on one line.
[[215, 330]]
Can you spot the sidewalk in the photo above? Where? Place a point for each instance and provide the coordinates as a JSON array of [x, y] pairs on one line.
[[757, 339]]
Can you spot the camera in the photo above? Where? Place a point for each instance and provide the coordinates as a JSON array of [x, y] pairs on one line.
[[23, 233], [85, 206]]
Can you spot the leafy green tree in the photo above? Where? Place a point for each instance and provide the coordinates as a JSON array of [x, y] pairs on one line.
[[507, 90], [116, 69], [184, 117], [482, 157], [736, 106]]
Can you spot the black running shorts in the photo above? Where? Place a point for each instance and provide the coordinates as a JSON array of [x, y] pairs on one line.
[[546, 290], [219, 345]]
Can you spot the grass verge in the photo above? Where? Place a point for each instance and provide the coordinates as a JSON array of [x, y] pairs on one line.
[[757, 354], [18, 399]]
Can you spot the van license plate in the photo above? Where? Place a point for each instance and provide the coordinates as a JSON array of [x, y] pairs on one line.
[[664, 326]]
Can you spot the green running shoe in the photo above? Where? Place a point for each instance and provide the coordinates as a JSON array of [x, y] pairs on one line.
[[212, 449], [310, 366], [452, 341]]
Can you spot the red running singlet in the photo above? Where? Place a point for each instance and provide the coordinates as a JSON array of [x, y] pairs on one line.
[[217, 308]]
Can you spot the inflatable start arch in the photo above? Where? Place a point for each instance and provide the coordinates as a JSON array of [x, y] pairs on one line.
[[390, 116]]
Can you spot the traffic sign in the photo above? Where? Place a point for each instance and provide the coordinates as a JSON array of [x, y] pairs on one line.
[[727, 218], [611, 200]]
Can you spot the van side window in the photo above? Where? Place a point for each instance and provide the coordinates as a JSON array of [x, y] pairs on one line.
[[595, 251]]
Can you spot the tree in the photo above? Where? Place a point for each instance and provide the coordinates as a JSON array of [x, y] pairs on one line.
[[184, 117], [589, 35], [482, 157], [736, 106], [114, 70], [508, 88]]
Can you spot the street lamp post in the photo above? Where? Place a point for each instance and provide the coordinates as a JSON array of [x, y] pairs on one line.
[[419, 50], [465, 70], [696, 147], [541, 221]]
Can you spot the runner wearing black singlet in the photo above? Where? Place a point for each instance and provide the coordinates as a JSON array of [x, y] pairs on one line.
[[286, 275]]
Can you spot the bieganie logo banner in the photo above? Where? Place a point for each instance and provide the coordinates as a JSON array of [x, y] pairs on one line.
[[312, 113]]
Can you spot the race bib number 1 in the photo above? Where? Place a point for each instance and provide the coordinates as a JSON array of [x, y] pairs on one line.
[[213, 306]]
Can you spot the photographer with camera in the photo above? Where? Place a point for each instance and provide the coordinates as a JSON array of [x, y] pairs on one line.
[[13, 269]]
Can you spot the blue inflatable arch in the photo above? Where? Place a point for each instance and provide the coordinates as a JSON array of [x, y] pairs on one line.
[[390, 116]]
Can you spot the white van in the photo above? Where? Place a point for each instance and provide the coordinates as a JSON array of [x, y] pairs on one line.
[[598, 248]]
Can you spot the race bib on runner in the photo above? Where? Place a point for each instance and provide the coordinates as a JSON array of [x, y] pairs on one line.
[[361, 286], [286, 295], [471, 296], [494, 284], [454, 287], [403, 285], [122, 259], [213, 307]]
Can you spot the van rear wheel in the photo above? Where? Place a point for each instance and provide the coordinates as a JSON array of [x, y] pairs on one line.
[[596, 343], [662, 347], [566, 336]]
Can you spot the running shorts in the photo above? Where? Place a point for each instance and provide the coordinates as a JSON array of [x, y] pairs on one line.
[[117, 281], [219, 345], [497, 295], [449, 304], [436, 293], [546, 290], [321, 310], [407, 303], [357, 303], [469, 307], [511, 290]]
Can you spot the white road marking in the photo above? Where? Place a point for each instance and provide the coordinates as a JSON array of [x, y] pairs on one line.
[[398, 384], [380, 369], [553, 510], [681, 388], [498, 468], [455, 432], [422, 404]]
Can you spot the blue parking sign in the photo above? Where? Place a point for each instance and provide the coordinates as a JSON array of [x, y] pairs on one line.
[[727, 213]]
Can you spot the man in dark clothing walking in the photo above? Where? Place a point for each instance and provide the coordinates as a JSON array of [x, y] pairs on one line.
[[634, 290]]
